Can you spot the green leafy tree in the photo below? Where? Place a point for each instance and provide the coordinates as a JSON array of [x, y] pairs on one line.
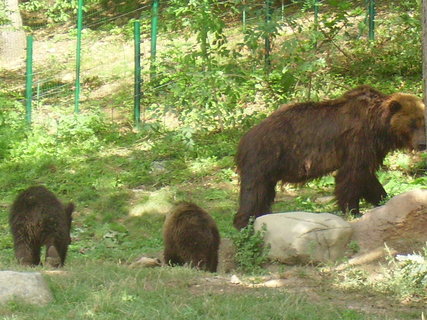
[[204, 18]]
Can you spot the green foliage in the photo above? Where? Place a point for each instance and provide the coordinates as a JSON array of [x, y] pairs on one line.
[[406, 276], [12, 126], [4, 19], [209, 89], [60, 11], [352, 279], [388, 56], [251, 252], [353, 246], [210, 100], [202, 17]]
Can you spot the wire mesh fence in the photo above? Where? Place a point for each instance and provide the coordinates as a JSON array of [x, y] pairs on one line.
[[100, 70]]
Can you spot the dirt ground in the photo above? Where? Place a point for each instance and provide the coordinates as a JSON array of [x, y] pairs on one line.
[[317, 284], [317, 287]]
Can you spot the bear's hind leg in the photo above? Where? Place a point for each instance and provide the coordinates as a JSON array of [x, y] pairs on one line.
[[52, 257], [172, 259], [212, 263], [26, 254], [374, 192]]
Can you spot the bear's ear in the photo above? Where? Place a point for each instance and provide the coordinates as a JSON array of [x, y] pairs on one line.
[[394, 106]]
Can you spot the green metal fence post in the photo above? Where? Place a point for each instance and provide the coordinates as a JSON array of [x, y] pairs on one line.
[[371, 17], [267, 35], [244, 15], [316, 12], [283, 10], [29, 79], [137, 70], [154, 26], [316, 20], [78, 55]]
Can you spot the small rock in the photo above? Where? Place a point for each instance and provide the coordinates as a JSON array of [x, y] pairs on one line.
[[274, 283], [158, 167], [29, 287], [324, 200], [146, 262], [235, 280]]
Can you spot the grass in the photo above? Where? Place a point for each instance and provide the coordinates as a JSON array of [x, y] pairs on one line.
[[123, 181], [122, 192], [87, 291]]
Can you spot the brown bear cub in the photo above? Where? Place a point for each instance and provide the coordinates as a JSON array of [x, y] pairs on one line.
[[38, 218], [303, 141], [191, 237]]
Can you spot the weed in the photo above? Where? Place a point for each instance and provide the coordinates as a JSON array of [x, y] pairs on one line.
[[251, 251], [406, 276], [353, 246]]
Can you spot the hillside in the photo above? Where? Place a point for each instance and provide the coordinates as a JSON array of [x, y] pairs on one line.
[[205, 94]]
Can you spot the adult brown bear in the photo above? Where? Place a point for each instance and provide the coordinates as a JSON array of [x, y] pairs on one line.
[[38, 218], [351, 134], [191, 236]]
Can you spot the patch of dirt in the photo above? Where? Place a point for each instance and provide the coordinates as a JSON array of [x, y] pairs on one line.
[[320, 285], [317, 287]]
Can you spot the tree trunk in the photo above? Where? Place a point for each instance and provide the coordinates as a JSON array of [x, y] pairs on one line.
[[12, 36]]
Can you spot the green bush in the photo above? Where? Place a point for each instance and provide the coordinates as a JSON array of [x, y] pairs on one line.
[[406, 276], [251, 252]]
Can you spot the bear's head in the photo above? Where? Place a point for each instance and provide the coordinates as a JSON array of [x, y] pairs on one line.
[[406, 120]]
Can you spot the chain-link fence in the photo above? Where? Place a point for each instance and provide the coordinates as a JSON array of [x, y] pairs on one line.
[[102, 62]]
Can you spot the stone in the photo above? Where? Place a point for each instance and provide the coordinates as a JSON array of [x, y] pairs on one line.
[[146, 262], [29, 287], [401, 223], [303, 237], [274, 283], [324, 200], [235, 279]]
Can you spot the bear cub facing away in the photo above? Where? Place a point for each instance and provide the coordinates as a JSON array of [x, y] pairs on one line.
[[303, 141], [37, 218], [191, 237]]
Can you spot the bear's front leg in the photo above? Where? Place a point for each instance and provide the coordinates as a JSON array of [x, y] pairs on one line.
[[256, 198], [348, 191]]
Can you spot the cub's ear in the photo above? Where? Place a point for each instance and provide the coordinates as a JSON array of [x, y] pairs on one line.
[[394, 106]]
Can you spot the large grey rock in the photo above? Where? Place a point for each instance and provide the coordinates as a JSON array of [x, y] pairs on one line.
[[301, 237], [29, 287], [400, 223]]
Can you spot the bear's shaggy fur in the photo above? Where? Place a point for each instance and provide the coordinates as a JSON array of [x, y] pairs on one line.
[[351, 134], [191, 237], [37, 218]]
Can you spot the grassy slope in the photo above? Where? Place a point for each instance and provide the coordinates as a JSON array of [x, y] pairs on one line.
[[123, 183]]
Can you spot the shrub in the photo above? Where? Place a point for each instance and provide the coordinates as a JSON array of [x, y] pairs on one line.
[[406, 276], [251, 252]]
